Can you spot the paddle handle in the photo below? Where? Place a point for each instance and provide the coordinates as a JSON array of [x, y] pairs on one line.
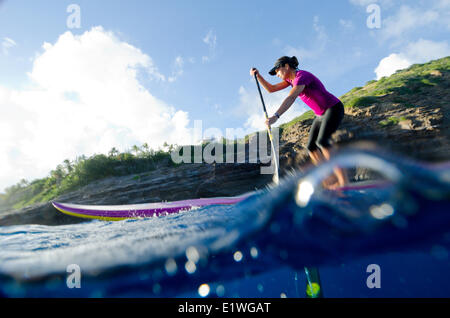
[[260, 95]]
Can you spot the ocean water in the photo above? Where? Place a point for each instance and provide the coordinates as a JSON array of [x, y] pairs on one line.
[[396, 216]]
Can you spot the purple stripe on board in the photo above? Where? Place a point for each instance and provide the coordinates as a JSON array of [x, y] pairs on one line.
[[151, 210], [125, 213], [366, 186]]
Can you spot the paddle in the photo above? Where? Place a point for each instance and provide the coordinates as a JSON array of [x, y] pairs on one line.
[[313, 286], [269, 131]]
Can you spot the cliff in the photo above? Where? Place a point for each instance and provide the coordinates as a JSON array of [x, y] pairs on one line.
[[407, 113]]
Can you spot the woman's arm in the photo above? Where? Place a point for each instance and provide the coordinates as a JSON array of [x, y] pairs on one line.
[[272, 88], [287, 103], [293, 94], [269, 87]]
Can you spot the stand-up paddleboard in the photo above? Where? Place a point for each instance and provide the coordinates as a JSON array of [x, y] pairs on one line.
[[121, 212]]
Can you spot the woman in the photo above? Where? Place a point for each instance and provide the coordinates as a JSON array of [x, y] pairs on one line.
[[329, 110]]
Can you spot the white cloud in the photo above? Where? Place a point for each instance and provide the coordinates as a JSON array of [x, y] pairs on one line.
[[211, 41], [177, 69], [417, 52], [406, 20], [7, 44], [425, 50], [389, 65], [84, 99]]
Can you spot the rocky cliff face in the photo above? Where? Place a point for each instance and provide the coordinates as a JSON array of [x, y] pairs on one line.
[[408, 113]]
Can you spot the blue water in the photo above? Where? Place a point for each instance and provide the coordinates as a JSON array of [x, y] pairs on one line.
[[259, 247]]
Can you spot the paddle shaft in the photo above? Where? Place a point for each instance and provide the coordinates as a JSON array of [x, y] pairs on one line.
[[269, 131], [312, 273]]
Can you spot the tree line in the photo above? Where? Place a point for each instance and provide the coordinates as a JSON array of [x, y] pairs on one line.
[[73, 174]]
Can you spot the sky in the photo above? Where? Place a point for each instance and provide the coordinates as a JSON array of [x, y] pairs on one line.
[[81, 77]]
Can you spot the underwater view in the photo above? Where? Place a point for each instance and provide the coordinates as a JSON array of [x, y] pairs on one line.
[[396, 220]]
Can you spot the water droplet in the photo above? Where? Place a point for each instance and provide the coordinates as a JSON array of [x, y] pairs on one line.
[[190, 267], [238, 256], [220, 290], [304, 193], [260, 288], [382, 211], [203, 290], [254, 252], [312, 290], [171, 266], [192, 254]]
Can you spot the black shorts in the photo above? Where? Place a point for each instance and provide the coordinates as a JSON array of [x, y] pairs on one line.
[[324, 126]]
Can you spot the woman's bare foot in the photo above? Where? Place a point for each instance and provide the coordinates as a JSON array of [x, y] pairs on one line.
[[330, 181]]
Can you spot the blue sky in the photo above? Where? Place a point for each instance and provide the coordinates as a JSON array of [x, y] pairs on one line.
[[144, 71]]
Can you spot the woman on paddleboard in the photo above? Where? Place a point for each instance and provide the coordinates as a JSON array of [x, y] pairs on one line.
[[329, 109]]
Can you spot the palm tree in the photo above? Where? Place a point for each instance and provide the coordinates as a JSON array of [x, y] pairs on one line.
[[135, 149], [113, 152], [146, 149], [68, 166]]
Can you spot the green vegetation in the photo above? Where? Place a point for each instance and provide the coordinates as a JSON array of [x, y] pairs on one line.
[[391, 121], [305, 116], [401, 85], [363, 101], [71, 175]]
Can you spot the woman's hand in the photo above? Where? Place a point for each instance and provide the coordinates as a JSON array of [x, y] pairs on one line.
[[254, 71], [272, 120]]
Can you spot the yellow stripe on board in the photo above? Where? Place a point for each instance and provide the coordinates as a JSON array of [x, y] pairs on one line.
[[94, 217]]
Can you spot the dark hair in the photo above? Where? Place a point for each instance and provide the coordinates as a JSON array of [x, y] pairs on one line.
[[293, 62], [282, 61]]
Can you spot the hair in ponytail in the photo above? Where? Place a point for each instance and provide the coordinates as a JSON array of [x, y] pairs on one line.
[[282, 61], [293, 62]]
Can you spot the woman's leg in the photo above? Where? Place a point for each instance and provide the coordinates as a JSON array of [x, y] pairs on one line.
[[330, 123], [339, 172], [316, 156], [313, 150]]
